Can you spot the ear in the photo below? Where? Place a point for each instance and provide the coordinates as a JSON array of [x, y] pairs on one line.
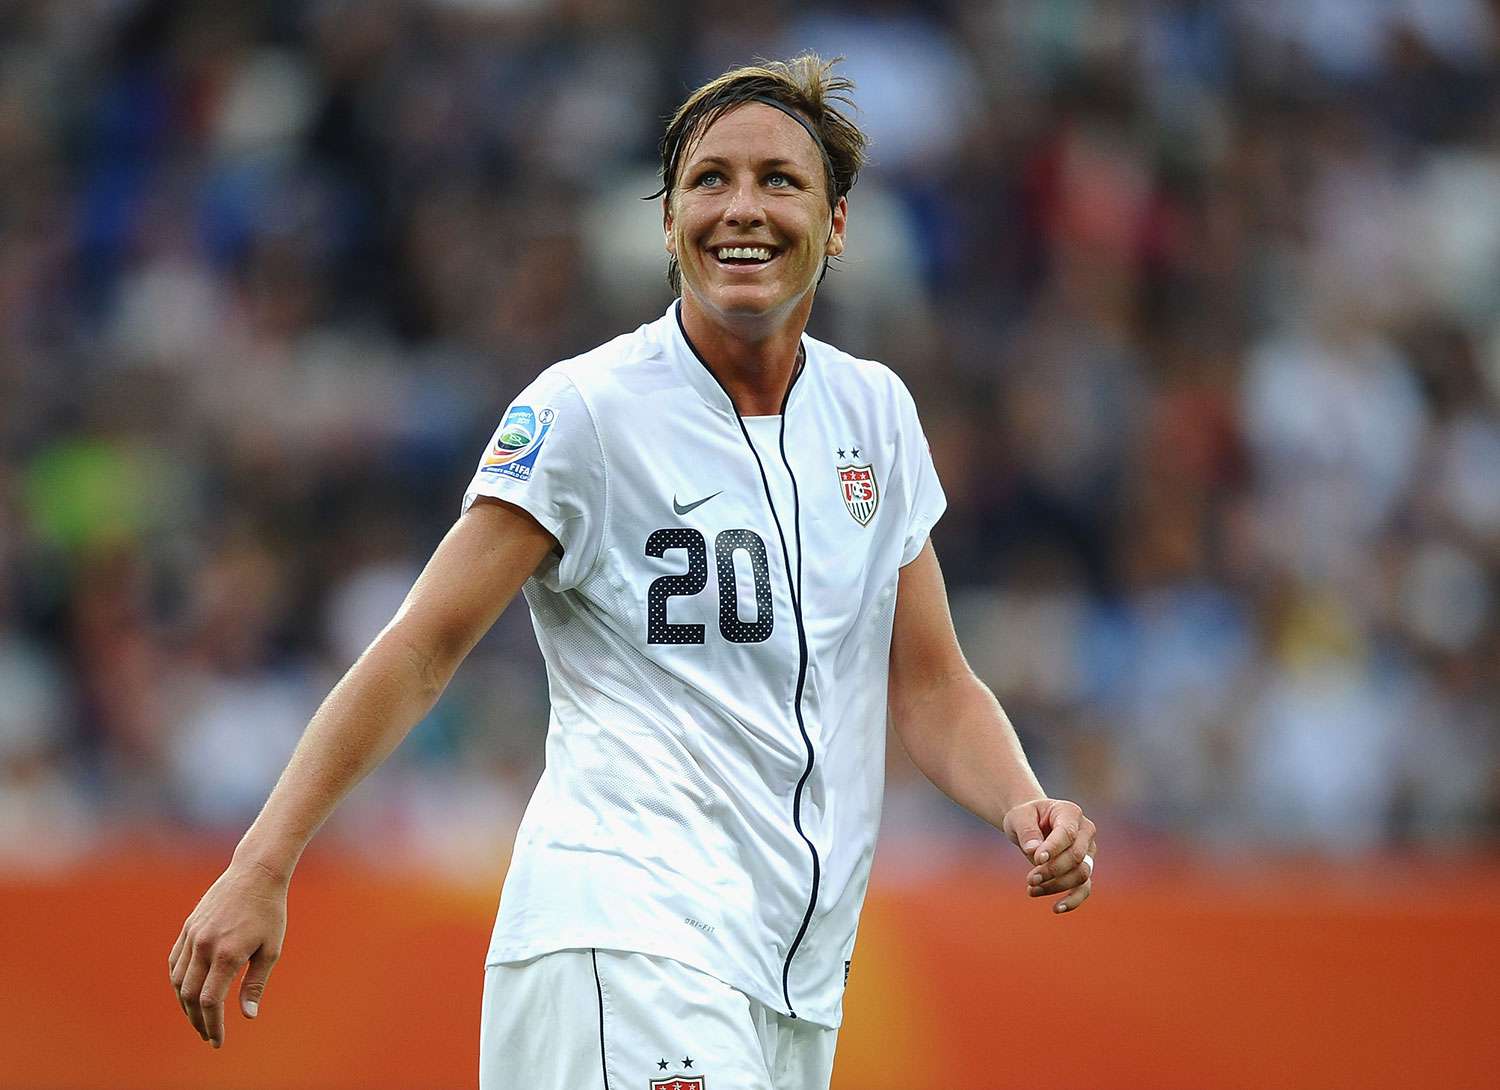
[[835, 244], [666, 224]]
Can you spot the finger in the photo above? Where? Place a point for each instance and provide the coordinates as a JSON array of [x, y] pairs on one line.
[[1076, 898], [1082, 891], [1026, 833], [215, 990], [253, 987], [1061, 884], [1063, 833], [176, 953], [1065, 860], [177, 967], [191, 989]]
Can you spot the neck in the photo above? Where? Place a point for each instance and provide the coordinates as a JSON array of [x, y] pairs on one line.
[[753, 361]]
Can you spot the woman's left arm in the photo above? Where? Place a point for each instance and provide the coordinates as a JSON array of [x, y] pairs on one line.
[[959, 736]]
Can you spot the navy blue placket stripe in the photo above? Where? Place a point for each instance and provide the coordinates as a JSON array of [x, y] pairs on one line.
[[599, 991], [812, 901], [794, 586]]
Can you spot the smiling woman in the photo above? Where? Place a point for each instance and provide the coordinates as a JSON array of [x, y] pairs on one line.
[[688, 879], [756, 171], [805, 90], [750, 226]]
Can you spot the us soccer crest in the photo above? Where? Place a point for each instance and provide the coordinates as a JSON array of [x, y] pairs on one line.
[[860, 490], [678, 1082]]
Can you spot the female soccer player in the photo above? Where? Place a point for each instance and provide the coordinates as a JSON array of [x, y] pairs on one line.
[[721, 528]]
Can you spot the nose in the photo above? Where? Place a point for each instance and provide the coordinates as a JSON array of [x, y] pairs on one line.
[[744, 208]]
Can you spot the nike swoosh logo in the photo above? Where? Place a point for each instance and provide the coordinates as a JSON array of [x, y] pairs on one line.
[[683, 509]]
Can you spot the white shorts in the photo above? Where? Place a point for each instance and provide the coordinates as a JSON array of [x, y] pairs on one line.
[[603, 1019]]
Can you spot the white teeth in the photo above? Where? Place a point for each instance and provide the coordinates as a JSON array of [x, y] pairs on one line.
[[749, 253]]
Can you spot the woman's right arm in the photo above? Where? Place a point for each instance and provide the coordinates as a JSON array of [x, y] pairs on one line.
[[473, 575]]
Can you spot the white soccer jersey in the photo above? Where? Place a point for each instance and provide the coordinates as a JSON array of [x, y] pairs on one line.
[[717, 635]]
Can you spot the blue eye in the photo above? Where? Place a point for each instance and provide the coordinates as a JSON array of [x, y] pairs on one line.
[[778, 181], [710, 177]]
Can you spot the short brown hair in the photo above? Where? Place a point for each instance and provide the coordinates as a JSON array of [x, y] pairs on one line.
[[804, 85]]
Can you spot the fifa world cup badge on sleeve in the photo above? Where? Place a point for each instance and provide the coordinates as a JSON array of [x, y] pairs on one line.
[[860, 490], [518, 442]]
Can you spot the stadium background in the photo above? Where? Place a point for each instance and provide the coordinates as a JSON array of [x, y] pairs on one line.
[[1198, 301]]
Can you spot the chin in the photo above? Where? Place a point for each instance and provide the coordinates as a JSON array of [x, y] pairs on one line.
[[745, 301]]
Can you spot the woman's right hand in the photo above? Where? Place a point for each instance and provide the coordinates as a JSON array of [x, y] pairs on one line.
[[242, 918]]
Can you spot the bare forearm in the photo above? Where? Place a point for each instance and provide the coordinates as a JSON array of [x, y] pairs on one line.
[[961, 739], [384, 694]]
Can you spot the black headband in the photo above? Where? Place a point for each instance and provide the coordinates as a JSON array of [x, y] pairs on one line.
[[764, 100], [767, 100]]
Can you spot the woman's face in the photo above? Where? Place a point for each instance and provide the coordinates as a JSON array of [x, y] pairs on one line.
[[749, 220]]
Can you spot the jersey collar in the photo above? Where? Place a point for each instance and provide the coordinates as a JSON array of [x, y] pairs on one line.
[[696, 370]]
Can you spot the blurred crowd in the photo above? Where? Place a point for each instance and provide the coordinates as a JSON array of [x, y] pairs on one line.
[[1200, 302]]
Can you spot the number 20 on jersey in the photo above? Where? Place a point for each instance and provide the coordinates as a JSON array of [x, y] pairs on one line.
[[726, 543]]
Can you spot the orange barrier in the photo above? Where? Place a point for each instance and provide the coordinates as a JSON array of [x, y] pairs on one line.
[[1271, 976]]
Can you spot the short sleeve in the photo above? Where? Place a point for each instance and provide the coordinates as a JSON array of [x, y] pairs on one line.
[[926, 500], [545, 457]]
